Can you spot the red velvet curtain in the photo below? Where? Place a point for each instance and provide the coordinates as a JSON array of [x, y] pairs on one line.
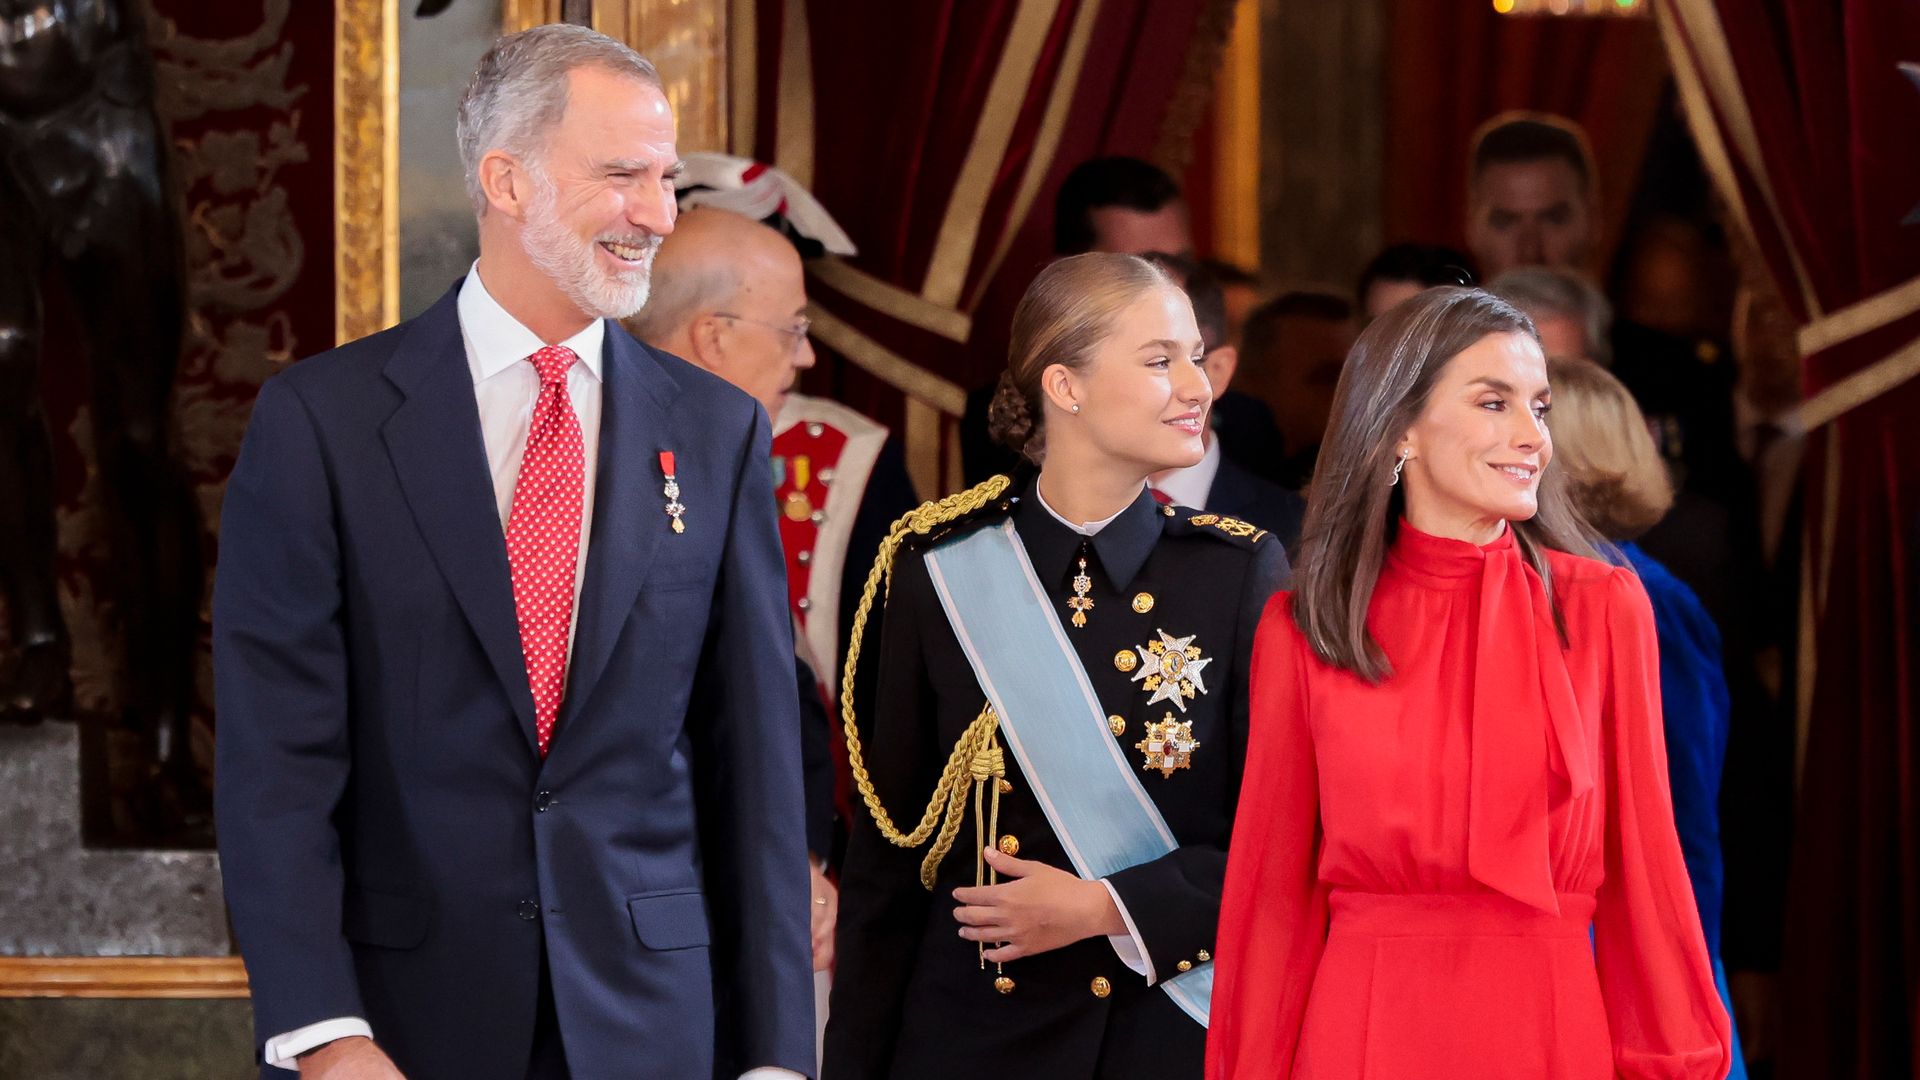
[[1453, 66], [938, 133], [1813, 134]]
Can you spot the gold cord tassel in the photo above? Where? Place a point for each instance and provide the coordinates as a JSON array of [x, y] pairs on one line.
[[977, 754]]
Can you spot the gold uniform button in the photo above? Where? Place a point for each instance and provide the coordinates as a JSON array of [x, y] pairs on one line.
[[1205, 956], [1125, 660], [1185, 965], [1101, 987], [1142, 602], [1009, 845], [1117, 724], [1006, 786], [1168, 511], [1003, 984]]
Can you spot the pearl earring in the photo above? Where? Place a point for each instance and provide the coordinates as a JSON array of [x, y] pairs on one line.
[[1398, 465], [1076, 410]]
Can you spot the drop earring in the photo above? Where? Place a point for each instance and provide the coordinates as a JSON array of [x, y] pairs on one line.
[[1398, 465]]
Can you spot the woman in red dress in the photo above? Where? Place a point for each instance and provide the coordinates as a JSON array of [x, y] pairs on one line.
[[1455, 853]]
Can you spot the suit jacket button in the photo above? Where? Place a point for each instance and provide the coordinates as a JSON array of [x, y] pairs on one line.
[[1101, 987], [529, 910], [542, 801]]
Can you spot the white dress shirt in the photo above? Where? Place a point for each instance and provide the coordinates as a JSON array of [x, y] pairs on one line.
[[505, 386], [1191, 486], [1129, 947]]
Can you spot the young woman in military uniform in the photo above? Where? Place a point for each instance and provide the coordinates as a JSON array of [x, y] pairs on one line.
[[1062, 686]]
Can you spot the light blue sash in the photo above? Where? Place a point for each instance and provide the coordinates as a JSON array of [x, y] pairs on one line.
[[1052, 722]]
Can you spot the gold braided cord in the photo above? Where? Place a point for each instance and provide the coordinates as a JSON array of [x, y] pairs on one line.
[[976, 756]]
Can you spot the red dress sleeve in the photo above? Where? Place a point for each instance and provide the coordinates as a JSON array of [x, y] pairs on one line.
[[1662, 1007], [1273, 913]]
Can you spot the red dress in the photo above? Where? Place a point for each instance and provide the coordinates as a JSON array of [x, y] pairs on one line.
[[1415, 866]]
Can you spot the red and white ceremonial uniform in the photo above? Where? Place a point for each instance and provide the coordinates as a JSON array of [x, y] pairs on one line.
[[823, 455]]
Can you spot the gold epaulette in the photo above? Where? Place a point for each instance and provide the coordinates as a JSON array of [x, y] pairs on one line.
[[977, 756], [1230, 526]]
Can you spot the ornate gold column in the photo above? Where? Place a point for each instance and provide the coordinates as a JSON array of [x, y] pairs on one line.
[[687, 42], [366, 102], [522, 14]]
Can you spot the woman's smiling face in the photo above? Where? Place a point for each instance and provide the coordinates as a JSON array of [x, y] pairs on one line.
[[1475, 455]]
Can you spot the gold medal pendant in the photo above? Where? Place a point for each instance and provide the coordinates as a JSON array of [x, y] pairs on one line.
[[1170, 669], [1169, 745], [1080, 602]]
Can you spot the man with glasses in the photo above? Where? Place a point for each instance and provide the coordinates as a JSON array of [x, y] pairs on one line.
[[730, 295]]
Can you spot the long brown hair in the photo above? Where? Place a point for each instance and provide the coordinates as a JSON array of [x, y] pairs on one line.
[[1353, 512], [1064, 316]]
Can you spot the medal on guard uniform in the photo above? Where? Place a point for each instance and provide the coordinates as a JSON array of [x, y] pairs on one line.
[[1169, 745], [797, 506], [672, 492], [1170, 669]]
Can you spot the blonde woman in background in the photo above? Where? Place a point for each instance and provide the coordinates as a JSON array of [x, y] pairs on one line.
[[1619, 484]]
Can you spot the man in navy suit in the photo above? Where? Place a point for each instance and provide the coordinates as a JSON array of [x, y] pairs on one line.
[[509, 764]]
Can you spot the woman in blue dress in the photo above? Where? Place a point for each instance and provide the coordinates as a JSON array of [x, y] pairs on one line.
[[1621, 486]]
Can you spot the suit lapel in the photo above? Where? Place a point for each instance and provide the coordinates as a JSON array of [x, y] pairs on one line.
[[628, 519], [437, 449]]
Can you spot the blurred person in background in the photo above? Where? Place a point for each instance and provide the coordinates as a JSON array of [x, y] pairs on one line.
[[1403, 270], [1531, 198], [1620, 485], [1291, 356], [1571, 314], [1240, 288]]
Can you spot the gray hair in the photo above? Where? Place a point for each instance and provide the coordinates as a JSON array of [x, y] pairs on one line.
[[518, 94], [691, 289], [1545, 292]]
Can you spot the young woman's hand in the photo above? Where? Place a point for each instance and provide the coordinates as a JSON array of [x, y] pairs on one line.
[[1039, 908]]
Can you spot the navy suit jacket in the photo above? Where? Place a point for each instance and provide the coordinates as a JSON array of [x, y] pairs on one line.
[[394, 846]]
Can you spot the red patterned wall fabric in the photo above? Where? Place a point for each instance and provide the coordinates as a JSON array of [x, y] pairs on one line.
[[245, 90]]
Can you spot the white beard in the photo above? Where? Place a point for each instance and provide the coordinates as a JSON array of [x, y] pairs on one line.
[[573, 264]]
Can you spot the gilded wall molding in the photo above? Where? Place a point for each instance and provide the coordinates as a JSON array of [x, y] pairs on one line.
[[524, 14], [687, 42], [366, 253], [193, 977]]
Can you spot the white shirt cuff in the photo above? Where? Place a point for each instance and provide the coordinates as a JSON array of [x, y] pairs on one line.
[[1131, 950], [281, 1050], [768, 1072]]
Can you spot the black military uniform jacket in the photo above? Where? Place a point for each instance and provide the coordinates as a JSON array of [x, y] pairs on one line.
[[910, 999]]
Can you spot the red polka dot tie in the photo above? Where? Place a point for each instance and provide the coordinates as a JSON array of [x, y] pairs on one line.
[[543, 536]]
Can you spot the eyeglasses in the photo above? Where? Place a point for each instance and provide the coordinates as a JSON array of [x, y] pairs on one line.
[[796, 331]]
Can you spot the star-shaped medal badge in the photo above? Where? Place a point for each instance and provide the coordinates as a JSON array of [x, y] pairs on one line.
[[1169, 745], [1170, 669]]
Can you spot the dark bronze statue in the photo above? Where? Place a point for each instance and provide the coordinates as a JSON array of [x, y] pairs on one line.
[[85, 200]]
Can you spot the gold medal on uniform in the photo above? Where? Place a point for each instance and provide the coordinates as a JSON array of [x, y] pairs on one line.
[[672, 492], [798, 507], [1080, 602], [1170, 669], [1169, 746]]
